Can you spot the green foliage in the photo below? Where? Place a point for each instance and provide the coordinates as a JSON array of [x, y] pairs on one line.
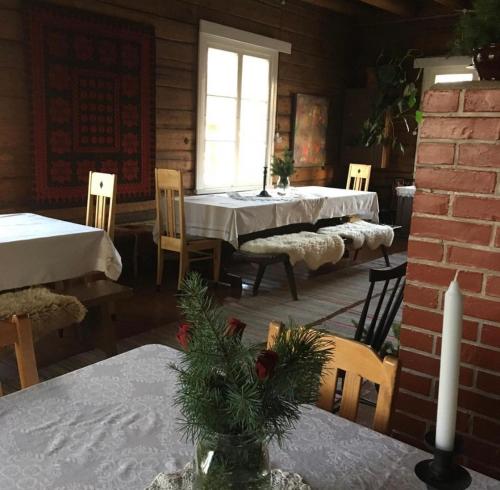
[[219, 391], [478, 27], [283, 167], [396, 100]]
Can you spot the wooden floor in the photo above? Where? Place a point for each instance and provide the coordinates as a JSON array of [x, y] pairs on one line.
[[331, 298]]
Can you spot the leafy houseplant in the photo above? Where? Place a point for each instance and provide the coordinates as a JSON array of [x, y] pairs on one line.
[[283, 168], [478, 34], [234, 398], [396, 100]]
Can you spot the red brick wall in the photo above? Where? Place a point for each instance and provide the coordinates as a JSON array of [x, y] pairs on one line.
[[455, 227]]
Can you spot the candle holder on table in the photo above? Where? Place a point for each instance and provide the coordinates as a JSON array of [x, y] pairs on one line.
[[442, 472], [263, 192]]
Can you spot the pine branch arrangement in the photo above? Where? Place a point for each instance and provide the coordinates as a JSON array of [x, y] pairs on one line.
[[227, 387], [283, 167]]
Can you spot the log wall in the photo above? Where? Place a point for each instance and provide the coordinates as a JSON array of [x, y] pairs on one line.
[[317, 65]]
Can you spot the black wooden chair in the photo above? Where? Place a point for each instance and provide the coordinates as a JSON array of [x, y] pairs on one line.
[[389, 301]]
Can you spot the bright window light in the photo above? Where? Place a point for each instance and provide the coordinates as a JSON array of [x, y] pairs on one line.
[[238, 74], [454, 77], [236, 119]]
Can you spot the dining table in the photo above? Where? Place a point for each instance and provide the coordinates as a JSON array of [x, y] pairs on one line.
[[113, 425], [230, 215], [36, 249]]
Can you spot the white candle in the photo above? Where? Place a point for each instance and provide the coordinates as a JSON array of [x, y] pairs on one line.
[[449, 369]]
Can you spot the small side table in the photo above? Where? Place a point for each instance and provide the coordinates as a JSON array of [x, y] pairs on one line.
[[404, 207]]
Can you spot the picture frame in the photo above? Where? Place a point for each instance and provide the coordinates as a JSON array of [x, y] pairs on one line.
[[310, 129]]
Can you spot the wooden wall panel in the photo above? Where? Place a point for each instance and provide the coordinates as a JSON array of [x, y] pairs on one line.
[[317, 65], [430, 37]]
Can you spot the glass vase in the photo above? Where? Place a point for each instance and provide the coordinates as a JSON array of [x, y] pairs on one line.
[[229, 461], [283, 185]]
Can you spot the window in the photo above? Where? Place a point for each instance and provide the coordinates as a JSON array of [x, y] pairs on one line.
[[238, 74], [445, 70]]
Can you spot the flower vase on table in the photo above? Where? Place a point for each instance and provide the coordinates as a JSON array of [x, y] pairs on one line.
[[231, 461], [234, 397], [283, 168], [283, 185]]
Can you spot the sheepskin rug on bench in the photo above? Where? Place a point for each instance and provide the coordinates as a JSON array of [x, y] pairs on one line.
[[314, 249], [48, 311], [361, 233]]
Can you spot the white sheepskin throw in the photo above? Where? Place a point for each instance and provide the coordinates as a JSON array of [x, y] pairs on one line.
[[314, 249], [48, 311], [362, 232]]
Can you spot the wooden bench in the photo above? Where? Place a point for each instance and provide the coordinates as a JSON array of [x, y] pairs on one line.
[[263, 260], [99, 298]]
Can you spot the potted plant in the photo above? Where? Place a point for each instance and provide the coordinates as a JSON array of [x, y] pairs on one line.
[[478, 35], [234, 397], [283, 168], [395, 101]]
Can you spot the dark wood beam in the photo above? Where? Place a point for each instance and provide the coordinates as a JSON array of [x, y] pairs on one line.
[[347, 7], [453, 4], [398, 7]]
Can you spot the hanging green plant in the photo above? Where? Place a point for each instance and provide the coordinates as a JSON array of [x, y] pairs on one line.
[[396, 100]]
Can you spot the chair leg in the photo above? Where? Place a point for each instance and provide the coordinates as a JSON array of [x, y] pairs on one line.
[[136, 255], [258, 278], [291, 279], [159, 267], [383, 248], [183, 266], [105, 333], [216, 259]]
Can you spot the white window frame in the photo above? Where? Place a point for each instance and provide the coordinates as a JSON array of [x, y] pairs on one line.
[[217, 36], [443, 66]]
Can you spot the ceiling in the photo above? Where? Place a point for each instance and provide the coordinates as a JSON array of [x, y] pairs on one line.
[[394, 8]]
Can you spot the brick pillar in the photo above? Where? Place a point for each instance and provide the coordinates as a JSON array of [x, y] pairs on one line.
[[455, 227]]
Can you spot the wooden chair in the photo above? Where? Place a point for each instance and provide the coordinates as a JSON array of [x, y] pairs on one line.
[[101, 202], [358, 178], [171, 222], [380, 325], [17, 331], [359, 362]]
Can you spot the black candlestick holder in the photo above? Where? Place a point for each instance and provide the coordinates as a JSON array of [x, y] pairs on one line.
[[263, 192], [442, 472]]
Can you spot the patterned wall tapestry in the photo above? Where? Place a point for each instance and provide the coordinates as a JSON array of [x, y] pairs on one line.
[[93, 103]]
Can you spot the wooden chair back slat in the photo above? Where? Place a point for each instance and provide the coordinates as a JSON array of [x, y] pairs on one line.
[[170, 203], [350, 396], [17, 331], [101, 202], [392, 279], [358, 178], [359, 362]]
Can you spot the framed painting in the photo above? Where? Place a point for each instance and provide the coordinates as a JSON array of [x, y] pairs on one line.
[[310, 126]]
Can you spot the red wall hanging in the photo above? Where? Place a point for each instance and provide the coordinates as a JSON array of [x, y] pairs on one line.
[[93, 103]]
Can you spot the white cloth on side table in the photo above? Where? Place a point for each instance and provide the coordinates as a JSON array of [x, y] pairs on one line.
[[113, 426], [36, 250], [314, 249], [361, 232]]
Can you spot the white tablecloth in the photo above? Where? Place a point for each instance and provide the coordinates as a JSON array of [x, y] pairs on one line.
[[406, 190], [112, 425], [37, 250], [222, 216]]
